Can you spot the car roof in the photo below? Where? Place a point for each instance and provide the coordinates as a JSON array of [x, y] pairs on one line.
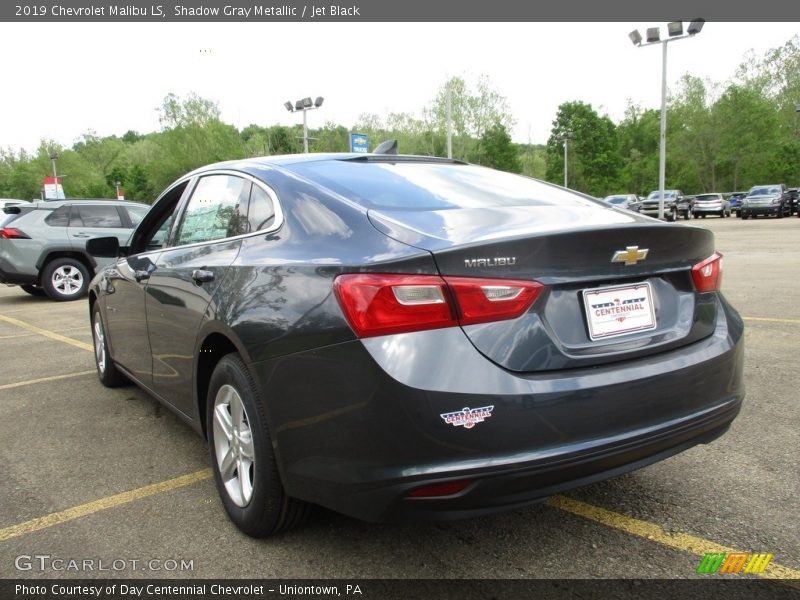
[[249, 165]]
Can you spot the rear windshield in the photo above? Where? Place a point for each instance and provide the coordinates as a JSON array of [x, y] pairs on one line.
[[431, 186], [707, 197], [6, 218]]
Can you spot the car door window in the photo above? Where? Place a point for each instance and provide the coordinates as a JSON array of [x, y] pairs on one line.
[[215, 210], [96, 216]]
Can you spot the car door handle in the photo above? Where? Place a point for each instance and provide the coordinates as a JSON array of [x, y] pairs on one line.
[[81, 235], [202, 276], [140, 275]]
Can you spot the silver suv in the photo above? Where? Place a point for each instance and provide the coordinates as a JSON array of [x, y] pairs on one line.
[[43, 245]]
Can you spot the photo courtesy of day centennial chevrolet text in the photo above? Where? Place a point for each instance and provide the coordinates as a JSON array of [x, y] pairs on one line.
[[398, 337]]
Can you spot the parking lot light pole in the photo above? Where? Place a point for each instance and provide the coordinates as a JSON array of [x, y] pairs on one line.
[[565, 138], [304, 105], [675, 31]]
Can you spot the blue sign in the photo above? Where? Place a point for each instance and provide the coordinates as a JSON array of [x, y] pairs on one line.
[[359, 143]]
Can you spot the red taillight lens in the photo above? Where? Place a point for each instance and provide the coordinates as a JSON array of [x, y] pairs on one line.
[[384, 304], [440, 489], [707, 275], [381, 304], [484, 300], [9, 233]]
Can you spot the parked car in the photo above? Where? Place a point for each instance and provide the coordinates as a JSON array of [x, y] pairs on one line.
[[43, 247], [626, 201], [675, 205], [294, 310], [711, 204], [735, 200], [794, 198], [766, 200]]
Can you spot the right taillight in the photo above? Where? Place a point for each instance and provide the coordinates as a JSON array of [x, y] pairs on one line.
[[707, 275], [382, 304], [10, 233]]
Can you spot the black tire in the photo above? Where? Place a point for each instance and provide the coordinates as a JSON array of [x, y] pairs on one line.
[[780, 213], [745, 217], [672, 215], [65, 279], [268, 510], [107, 372], [33, 290], [687, 215]]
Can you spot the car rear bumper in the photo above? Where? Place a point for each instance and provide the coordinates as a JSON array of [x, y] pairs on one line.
[[9, 275], [360, 424], [714, 210]]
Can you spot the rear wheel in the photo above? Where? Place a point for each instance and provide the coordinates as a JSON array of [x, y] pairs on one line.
[[107, 371], [33, 290], [240, 446], [65, 279]]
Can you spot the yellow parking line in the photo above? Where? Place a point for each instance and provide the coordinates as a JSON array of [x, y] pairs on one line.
[[655, 533], [8, 386], [76, 512], [47, 333], [771, 320]]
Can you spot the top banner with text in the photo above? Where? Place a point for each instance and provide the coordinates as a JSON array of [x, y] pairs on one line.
[[393, 10]]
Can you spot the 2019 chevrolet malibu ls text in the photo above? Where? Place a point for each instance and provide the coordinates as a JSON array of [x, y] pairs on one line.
[[399, 337]]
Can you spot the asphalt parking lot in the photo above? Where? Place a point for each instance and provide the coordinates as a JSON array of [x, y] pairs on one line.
[[109, 475]]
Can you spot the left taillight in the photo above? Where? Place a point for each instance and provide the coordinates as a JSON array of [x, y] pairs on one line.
[[707, 275], [11, 233], [382, 304]]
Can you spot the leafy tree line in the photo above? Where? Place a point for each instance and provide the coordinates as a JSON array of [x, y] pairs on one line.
[[719, 138]]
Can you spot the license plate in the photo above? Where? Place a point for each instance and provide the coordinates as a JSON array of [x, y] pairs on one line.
[[619, 310]]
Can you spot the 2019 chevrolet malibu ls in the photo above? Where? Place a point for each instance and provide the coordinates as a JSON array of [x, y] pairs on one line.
[[400, 337]]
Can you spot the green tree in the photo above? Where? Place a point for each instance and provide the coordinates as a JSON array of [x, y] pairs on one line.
[[594, 161], [498, 151]]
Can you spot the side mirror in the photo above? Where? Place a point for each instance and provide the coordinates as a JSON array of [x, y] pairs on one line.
[[105, 247]]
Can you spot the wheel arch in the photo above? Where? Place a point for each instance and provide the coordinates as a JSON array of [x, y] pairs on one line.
[[214, 344], [81, 257]]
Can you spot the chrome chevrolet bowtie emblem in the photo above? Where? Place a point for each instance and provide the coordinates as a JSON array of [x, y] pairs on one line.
[[630, 256]]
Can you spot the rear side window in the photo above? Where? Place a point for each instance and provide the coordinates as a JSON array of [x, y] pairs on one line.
[[214, 210], [261, 213], [59, 217], [136, 213], [95, 216]]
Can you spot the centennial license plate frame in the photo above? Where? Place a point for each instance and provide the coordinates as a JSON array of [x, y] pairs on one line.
[[619, 310]]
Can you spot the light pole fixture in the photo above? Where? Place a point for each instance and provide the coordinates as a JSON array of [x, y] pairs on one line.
[[565, 137], [54, 158], [304, 105], [674, 32]]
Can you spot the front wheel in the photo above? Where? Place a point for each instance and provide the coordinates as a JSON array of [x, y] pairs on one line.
[[240, 447], [65, 279]]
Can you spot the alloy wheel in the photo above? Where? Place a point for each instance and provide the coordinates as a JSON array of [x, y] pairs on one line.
[[233, 445], [67, 280]]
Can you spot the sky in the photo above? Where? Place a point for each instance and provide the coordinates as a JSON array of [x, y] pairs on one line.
[[62, 80]]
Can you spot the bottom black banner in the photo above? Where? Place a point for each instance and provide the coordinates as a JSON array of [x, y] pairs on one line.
[[380, 589]]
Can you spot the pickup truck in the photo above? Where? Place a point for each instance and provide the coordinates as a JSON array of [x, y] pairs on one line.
[[675, 205]]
